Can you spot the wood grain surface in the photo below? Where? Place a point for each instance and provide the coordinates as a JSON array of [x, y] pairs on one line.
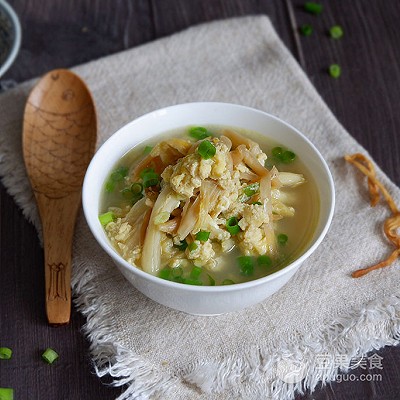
[[364, 99]]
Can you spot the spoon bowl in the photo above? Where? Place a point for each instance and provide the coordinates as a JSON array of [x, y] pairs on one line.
[[59, 136]]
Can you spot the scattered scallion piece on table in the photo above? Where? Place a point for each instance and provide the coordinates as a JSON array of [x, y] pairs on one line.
[[232, 226], [336, 32], [6, 394], [203, 236], [206, 150], [5, 353], [282, 239], [106, 218], [313, 8], [306, 29], [49, 355], [335, 70]]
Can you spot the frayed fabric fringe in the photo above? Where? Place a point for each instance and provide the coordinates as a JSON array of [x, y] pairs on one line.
[[261, 373]]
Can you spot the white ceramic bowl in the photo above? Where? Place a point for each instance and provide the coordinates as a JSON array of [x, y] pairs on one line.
[[10, 36], [204, 300]]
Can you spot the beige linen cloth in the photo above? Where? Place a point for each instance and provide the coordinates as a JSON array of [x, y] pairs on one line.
[[322, 312]]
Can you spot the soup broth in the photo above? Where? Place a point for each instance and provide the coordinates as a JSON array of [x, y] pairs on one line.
[[285, 199]]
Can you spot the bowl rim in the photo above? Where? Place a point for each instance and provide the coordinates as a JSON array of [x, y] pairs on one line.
[[17, 39], [217, 288]]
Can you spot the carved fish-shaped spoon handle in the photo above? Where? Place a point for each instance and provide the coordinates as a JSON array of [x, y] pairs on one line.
[[59, 136]]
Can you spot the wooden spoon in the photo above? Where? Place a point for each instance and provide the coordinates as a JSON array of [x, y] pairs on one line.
[[59, 135]]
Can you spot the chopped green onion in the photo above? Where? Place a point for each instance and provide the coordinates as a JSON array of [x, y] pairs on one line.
[[335, 71], [192, 246], [147, 150], [282, 239], [246, 265], [211, 280], [313, 8], [264, 261], [106, 218], [282, 155], [5, 353], [119, 174], [202, 236], [232, 226], [127, 193], [306, 30], [336, 32], [150, 179], [258, 203], [165, 273], [110, 186], [288, 157], [206, 150], [190, 281], [6, 394], [136, 198], [277, 152], [136, 188], [251, 189], [145, 171], [182, 245], [199, 132], [49, 356], [195, 272], [227, 282]]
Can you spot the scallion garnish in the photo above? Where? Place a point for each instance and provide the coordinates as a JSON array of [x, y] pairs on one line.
[[147, 150], [258, 203], [119, 174], [106, 218], [6, 394], [182, 245], [192, 246], [306, 30], [232, 226], [127, 193], [202, 236], [211, 280], [5, 353], [190, 281], [165, 273], [283, 155], [282, 239], [246, 265], [136, 188], [313, 8], [206, 150], [199, 132], [49, 355], [264, 261], [195, 272], [151, 178], [251, 189], [334, 70], [336, 32]]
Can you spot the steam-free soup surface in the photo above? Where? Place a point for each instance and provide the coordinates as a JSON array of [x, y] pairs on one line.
[[210, 206]]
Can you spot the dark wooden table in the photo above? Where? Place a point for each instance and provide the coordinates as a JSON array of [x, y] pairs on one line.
[[61, 33]]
